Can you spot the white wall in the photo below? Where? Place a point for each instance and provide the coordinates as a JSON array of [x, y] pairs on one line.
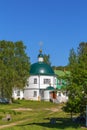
[[46, 95], [15, 94], [40, 83], [29, 94]]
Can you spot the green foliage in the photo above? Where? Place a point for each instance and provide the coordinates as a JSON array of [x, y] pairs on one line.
[[47, 59], [77, 85], [72, 58], [14, 67]]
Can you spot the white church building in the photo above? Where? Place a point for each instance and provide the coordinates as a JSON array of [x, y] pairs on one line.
[[42, 81], [41, 84]]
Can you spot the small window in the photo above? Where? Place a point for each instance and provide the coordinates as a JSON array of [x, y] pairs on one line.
[[46, 81], [35, 93], [59, 94], [35, 80], [18, 93]]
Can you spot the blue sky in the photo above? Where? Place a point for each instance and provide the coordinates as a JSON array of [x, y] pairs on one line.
[[58, 24]]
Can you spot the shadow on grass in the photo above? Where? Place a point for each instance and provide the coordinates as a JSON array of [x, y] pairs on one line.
[[60, 123]]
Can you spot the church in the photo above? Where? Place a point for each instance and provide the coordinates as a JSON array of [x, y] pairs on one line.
[[41, 84]]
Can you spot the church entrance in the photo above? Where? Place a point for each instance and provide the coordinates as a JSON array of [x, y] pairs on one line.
[[53, 95]]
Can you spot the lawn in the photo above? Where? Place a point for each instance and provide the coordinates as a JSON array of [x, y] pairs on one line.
[[36, 115]]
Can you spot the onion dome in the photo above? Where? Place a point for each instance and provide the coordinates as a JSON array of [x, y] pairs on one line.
[[41, 68]]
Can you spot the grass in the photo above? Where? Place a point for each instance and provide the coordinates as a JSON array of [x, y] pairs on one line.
[[38, 117]]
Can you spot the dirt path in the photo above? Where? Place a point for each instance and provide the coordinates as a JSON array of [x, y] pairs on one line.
[[13, 124], [18, 122]]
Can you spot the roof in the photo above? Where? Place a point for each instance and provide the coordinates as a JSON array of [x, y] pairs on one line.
[[50, 88], [40, 55], [41, 68], [61, 73]]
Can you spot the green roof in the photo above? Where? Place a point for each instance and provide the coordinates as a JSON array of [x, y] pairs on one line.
[[61, 73], [50, 88], [58, 87], [41, 68]]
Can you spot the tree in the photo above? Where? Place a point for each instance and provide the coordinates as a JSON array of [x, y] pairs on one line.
[[47, 59], [22, 64], [72, 58], [77, 85], [14, 67]]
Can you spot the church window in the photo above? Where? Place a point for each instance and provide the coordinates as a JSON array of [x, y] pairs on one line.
[[18, 93], [35, 80], [46, 81], [35, 94], [59, 94]]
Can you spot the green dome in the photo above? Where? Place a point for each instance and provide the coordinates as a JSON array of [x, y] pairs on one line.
[[41, 68]]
